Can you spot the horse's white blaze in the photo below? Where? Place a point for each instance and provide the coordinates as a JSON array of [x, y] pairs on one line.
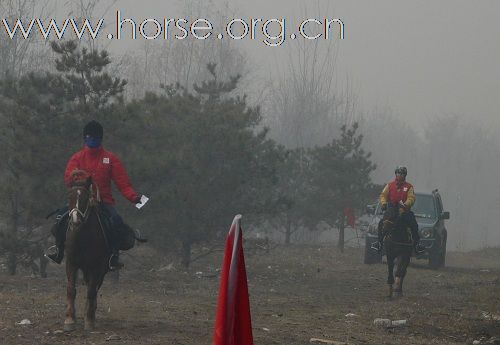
[[74, 216], [77, 199]]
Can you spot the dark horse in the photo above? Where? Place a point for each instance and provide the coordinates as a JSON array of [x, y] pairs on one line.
[[398, 248], [86, 249]]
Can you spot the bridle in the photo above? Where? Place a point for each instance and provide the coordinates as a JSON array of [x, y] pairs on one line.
[[92, 201]]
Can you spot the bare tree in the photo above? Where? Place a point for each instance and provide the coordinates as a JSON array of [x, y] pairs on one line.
[[308, 104], [172, 61], [461, 159], [93, 11], [20, 55]]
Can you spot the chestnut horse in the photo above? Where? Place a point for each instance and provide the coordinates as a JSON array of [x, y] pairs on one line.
[[86, 249], [398, 248]]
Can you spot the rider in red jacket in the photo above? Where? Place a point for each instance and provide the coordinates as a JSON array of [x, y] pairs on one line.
[[104, 167]]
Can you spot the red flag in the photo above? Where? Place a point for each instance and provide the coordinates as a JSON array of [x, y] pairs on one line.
[[351, 220], [233, 325]]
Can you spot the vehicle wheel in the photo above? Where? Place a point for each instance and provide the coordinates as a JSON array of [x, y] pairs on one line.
[[443, 250], [370, 256], [436, 256]]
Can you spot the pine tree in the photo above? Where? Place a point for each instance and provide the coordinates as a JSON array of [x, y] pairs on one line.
[[341, 178], [207, 160]]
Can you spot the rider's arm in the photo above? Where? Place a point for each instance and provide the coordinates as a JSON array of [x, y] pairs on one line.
[[72, 165], [410, 198], [384, 196], [122, 181]]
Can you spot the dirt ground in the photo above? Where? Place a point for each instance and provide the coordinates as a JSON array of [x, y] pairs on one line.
[[296, 293]]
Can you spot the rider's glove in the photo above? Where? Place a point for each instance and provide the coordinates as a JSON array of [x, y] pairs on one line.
[[137, 199], [384, 207], [402, 204]]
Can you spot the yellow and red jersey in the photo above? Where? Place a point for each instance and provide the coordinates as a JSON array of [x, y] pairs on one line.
[[395, 191]]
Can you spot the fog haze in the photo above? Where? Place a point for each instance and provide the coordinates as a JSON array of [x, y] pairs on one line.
[[421, 78], [424, 72], [421, 59]]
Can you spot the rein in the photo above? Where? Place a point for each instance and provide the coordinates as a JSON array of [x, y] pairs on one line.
[[91, 203]]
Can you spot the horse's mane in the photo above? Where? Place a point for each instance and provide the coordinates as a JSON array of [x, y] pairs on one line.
[[79, 183]]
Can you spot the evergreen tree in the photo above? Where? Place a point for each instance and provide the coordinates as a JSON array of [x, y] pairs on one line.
[[341, 179], [294, 174], [205, 160]]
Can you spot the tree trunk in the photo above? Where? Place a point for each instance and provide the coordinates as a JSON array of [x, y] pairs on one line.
[[12, 240], [288, 232], [11, 263], [186, 253], [341, 233]]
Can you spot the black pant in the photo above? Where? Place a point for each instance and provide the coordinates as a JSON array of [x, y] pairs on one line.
[[409, 219]]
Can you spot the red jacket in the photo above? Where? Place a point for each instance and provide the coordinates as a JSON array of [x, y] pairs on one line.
[[104, 167]]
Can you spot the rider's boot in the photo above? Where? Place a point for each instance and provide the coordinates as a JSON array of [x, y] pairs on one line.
[[56, 253], [114, 262], [114, 243], [378, 246]]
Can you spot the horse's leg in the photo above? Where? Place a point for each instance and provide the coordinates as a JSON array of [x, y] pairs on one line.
[[390, 267], [397, 275], [94, 282], [71, 273], [404, 261]]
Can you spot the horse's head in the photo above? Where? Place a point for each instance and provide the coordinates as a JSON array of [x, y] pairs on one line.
[[391, 216], [82, 197], [394, 225]]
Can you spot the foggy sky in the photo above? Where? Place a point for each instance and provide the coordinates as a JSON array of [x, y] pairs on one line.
[[421, 59]]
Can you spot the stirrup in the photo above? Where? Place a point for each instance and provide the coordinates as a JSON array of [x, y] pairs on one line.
[[376, 246], [118, 264], [52, 253], [53, 250]]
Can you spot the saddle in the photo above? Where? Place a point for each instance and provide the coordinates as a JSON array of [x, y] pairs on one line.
[[121, 235], [117, 236]]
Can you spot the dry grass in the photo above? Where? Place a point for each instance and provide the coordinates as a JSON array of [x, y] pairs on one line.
[[297, 293]]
